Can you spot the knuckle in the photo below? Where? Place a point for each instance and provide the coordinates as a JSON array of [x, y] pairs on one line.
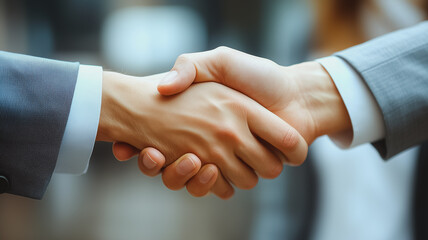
[[290, 139], [228, 133], [222, 49], [249, 183], [223, 53], [298, 160], [225, 193], [217, 154], [185, 57], [239, 106], [236, 104], [270, 62], [273, 171]]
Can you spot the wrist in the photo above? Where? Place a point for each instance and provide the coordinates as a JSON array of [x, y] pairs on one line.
[[128, 109], [321, 99], [106, 126], [117, 105]]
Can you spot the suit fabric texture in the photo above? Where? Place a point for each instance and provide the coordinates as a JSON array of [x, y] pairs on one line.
[[395, 68], [35, 100]]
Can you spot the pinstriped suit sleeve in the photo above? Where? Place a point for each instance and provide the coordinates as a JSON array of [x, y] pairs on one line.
[[35, 99], [395, 69]]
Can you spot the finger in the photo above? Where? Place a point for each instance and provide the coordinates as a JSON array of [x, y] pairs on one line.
[[204, 65], [278, 154], [179, 172], [222, 188], [123, 151], [238, 172], [278, 133], [151, 161], [201, 184], [223, 65], [264, 162]]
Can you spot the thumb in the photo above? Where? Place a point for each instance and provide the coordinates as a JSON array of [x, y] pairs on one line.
[[178, 79], [189, 68]]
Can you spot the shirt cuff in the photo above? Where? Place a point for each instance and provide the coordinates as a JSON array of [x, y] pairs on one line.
[[366, 116], [82, 124]]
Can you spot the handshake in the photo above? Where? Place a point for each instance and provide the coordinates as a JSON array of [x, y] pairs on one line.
[[219, 118]]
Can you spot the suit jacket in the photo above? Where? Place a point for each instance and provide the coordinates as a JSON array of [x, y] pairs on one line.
[[395, 69], [35, 99]]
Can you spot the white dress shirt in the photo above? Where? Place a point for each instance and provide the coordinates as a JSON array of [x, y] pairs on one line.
[[365, 115], [82, 124]]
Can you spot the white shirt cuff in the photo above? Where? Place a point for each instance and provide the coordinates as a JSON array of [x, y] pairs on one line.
[[82, 124], [366, 116]]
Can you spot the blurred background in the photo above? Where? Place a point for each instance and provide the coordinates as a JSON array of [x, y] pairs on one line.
[[140, 37]]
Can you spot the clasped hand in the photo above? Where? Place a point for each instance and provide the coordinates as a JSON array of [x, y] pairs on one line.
[[230, 131]]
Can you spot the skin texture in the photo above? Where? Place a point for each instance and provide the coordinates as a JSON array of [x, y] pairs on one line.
[[217, 125], [303, 95]]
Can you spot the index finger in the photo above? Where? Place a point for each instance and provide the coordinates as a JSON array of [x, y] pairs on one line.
[[278, 133]]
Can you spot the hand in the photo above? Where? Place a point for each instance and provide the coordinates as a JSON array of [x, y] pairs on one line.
[[198, 181], [303, 95], [215, 123]]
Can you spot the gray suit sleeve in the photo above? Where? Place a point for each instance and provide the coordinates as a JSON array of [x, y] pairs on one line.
[[35, 99], [395, 68]]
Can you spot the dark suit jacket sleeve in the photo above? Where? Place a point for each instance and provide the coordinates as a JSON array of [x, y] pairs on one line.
[[395, 68], [35, 99]]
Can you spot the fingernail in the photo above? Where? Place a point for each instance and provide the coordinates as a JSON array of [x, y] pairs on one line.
[[169, 78], [206, 176], [185, 166], [148, 162]]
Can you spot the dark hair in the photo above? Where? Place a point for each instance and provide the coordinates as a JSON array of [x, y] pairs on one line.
[[342, 19], [347, 10], [350, 9]]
